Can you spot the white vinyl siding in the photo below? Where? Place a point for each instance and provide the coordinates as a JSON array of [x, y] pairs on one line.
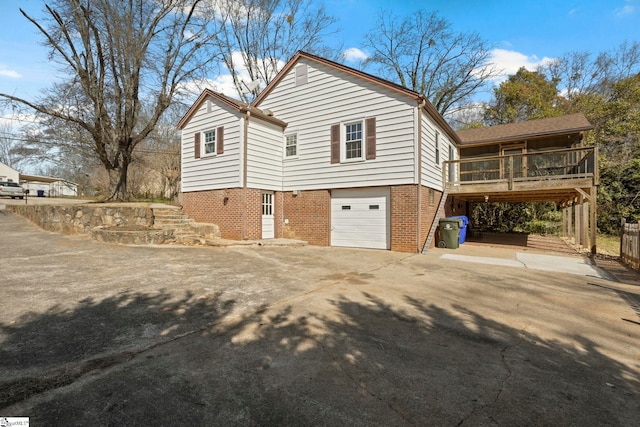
[[264, 156], [432, 172], [332, 97], [212, 172]]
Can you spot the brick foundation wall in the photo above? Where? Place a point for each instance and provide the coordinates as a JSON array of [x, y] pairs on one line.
[[309, 215], [404, 218], [278, 214], [230, 209], [428, 211]]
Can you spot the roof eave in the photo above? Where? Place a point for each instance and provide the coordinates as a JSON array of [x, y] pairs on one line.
[[491, 141], [205, 93]]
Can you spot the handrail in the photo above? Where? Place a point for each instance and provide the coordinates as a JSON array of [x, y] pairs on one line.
[[537, 165], [531, 153]]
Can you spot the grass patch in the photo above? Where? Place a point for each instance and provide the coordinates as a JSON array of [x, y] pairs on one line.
[[608, 244]]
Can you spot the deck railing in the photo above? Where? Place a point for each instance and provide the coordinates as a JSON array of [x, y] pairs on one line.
[[572, 163]]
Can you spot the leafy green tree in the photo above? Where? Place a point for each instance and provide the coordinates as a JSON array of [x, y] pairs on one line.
[[525, 95], [617, 134]]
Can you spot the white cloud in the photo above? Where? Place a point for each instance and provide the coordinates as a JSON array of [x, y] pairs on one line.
[[5, 72], [223, 83], [624, 11], [353, 54], [510, 61], [18, 120]]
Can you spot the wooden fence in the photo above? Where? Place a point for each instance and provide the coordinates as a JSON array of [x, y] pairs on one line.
[[630, 244]]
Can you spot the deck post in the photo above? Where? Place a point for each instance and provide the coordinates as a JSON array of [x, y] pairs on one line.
[[577, 217], [569, 219], [584, 242], [594, 219], [510, 160], [564, 219]]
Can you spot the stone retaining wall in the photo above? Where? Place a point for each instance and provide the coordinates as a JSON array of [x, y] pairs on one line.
[[80, 219]]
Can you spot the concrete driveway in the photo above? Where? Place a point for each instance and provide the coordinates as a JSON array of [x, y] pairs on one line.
[[99, 334]]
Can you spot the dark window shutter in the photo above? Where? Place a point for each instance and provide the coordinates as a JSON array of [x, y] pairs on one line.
[[196, 145], [370, 125], [220, 140], [335, 144]]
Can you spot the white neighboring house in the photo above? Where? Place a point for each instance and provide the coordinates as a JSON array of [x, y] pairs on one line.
[[9, 174], [325, 153], [47, 186]]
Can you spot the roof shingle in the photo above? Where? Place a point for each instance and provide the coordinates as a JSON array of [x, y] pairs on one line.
[[572, 123]]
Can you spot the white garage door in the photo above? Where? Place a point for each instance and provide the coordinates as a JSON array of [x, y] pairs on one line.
[[360, 218]]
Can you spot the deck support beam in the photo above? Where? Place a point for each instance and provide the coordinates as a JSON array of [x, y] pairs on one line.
[[594, 219], [577, 208]]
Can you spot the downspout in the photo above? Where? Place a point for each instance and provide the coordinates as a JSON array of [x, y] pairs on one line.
[[245, 144], [421, 105]]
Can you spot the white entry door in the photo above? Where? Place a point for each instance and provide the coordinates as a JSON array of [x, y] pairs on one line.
[[360, 218], [268, 223]]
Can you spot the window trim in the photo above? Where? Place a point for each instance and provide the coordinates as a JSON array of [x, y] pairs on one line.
[[293, 156], [204, 142], [343, 141]]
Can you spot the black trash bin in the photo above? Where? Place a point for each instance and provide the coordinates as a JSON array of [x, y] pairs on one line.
[[40, 193], [449, 233]]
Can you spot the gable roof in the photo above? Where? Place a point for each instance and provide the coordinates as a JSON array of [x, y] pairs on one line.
[[241, 107], [420, 98], [573, 123]]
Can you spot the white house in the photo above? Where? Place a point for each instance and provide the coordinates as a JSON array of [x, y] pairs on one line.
[[325, 153], [48, 186], [8, 173]]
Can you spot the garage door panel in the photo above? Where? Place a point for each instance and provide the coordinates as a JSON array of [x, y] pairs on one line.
[[360, 218]]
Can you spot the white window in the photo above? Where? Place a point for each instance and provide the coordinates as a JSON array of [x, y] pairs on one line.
[[353, 141], [209, 143], [291, 145]]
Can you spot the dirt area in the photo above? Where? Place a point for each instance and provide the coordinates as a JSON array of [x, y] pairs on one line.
[[522, 241], [100, 334]]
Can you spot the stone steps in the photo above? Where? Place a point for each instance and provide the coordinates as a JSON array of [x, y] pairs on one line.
[[184, 229]]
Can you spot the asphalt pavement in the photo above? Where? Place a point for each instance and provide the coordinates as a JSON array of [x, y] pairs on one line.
[[101, 334]]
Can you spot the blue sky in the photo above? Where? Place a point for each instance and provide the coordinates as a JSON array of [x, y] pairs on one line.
[[525, 32]]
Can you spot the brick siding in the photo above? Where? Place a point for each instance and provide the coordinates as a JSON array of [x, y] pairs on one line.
[[309, 215], [230, 209], [404, 218], [427, 214]]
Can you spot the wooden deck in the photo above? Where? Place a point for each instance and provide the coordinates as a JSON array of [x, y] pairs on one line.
[[539, 176]]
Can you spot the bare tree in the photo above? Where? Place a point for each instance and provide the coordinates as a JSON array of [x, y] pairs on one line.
[[422, 53], [583, 73], [113, 54], [12, 151], [254, 38]]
